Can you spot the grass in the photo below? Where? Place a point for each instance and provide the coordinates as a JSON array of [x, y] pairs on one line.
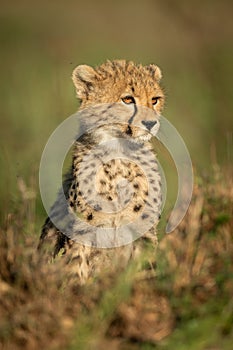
[[186, 303]]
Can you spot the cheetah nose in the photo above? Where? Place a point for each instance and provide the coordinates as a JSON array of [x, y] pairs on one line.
[[149, 123]]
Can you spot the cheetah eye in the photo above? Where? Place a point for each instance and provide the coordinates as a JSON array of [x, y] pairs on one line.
[[155, 100], [128, 100]]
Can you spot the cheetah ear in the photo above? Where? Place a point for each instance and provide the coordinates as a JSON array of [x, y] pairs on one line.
[[83, 76], [155, 71]]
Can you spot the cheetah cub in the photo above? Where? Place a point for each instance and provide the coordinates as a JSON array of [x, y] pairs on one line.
[[128, 100]]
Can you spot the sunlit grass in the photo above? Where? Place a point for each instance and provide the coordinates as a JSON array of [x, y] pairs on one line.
[[185, 302]]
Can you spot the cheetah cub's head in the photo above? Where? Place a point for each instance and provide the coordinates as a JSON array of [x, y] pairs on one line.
[[120, 81]]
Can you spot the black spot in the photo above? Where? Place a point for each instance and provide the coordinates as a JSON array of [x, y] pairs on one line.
[[109, 107], [148, 203], [90, 217], [75, 196], [155, 200], [73, 187], [129, 131], [77, 258], [145, 216], [137, 207], [97, 207], [132, 88], [71, 204], [127, 192], [103, 182], [136, 186], [79, 193], [109, 198], [146, 193]]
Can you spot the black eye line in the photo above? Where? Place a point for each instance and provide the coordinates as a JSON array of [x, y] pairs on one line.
[[156, 99], [129, 97]]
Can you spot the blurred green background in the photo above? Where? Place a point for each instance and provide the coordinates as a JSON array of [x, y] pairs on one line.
[[41, 42]]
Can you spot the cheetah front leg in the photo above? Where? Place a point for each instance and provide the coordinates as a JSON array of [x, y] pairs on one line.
[[51, 240], [76, 256]]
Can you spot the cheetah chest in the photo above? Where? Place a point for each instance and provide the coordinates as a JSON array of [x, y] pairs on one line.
[[112, 191]]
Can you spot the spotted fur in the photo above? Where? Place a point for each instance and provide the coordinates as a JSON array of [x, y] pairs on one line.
[[112, 85]]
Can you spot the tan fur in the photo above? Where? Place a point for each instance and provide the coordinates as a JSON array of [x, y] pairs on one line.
[[110, 83], [114, 79]]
